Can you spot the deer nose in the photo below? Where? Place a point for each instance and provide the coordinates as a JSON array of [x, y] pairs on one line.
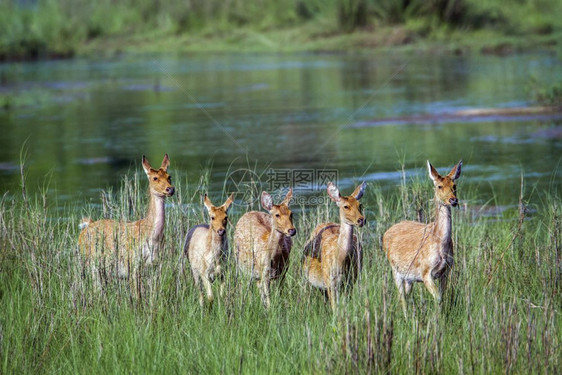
[[454, 201], [170, 190], [361, 221], [220, 232], [292, 232]]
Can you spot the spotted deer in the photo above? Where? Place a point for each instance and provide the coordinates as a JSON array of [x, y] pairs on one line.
[[263, 242], [206, 247], [420, 252], [128, 245], [332, 255]]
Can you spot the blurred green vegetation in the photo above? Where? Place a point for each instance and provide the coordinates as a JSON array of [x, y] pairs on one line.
[[61, 28], [548, 94]]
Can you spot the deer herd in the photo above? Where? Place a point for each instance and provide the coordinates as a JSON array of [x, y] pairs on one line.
[[331, 258]]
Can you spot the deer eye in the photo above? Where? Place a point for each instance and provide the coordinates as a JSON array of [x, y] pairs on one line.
[[440, 187], [277, 215], [346, 207], [212, 218], [155, 178]]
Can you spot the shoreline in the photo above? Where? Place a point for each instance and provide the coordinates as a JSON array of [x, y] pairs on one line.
[[304, 39], [293, 40]]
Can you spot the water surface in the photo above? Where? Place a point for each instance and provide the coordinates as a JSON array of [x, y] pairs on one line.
[[86, 123]]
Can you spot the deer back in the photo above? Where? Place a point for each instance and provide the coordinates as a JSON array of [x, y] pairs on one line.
[[109, 238], [251, 238]]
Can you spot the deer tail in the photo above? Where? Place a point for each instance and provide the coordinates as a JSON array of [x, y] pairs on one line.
[[84, 222]]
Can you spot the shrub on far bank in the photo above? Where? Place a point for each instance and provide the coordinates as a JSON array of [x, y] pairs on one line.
[[546, 94], [57, 28]]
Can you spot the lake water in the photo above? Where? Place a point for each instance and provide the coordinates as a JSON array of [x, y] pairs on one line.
[[291, 118]]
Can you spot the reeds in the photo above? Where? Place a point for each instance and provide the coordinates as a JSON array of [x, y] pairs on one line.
[[500, 315]]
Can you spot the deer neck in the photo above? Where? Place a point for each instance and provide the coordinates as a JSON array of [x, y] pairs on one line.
[[443, 225], [345, 238], [214, 241], [155, 217], [274, 238]]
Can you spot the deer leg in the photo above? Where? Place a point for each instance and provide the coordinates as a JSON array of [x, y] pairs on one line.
[[196, 280], [403, 290], [134, 284], [333, 291], [208, 288], [220, 276], [430, 285], [264, 280], [263, 285], [313, 272], [407, 287], [332, 297], [222, 287], [443, 284], [334, 278], [281, 282], [95, 277]]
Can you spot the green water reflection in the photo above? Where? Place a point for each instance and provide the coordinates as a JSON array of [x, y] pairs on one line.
[[88, 122]]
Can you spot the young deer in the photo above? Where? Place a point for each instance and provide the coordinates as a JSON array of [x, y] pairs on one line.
[[206, 247], [420, 252], [263, 242], [332, 256], [129, 244]]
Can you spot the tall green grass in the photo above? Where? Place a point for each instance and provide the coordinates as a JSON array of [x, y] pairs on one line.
[[53, 28], [501, 314]]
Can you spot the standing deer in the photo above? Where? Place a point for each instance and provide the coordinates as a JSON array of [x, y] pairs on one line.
[[206, 247], [420, 252], [263, 242], [129, 244], [332, 256]]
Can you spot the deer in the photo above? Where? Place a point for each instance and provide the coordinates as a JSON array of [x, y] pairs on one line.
[[206, 247], [263, 243], [420, 252], [332, 255], [129, 244]]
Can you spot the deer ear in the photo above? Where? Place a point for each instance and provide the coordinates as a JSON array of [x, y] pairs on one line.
[[433, 174], [146, 165], [228, 202], [456, 171], [165, 163], [207, 203], [288, 197], [359, 190], [266, 201], [333, 192]]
